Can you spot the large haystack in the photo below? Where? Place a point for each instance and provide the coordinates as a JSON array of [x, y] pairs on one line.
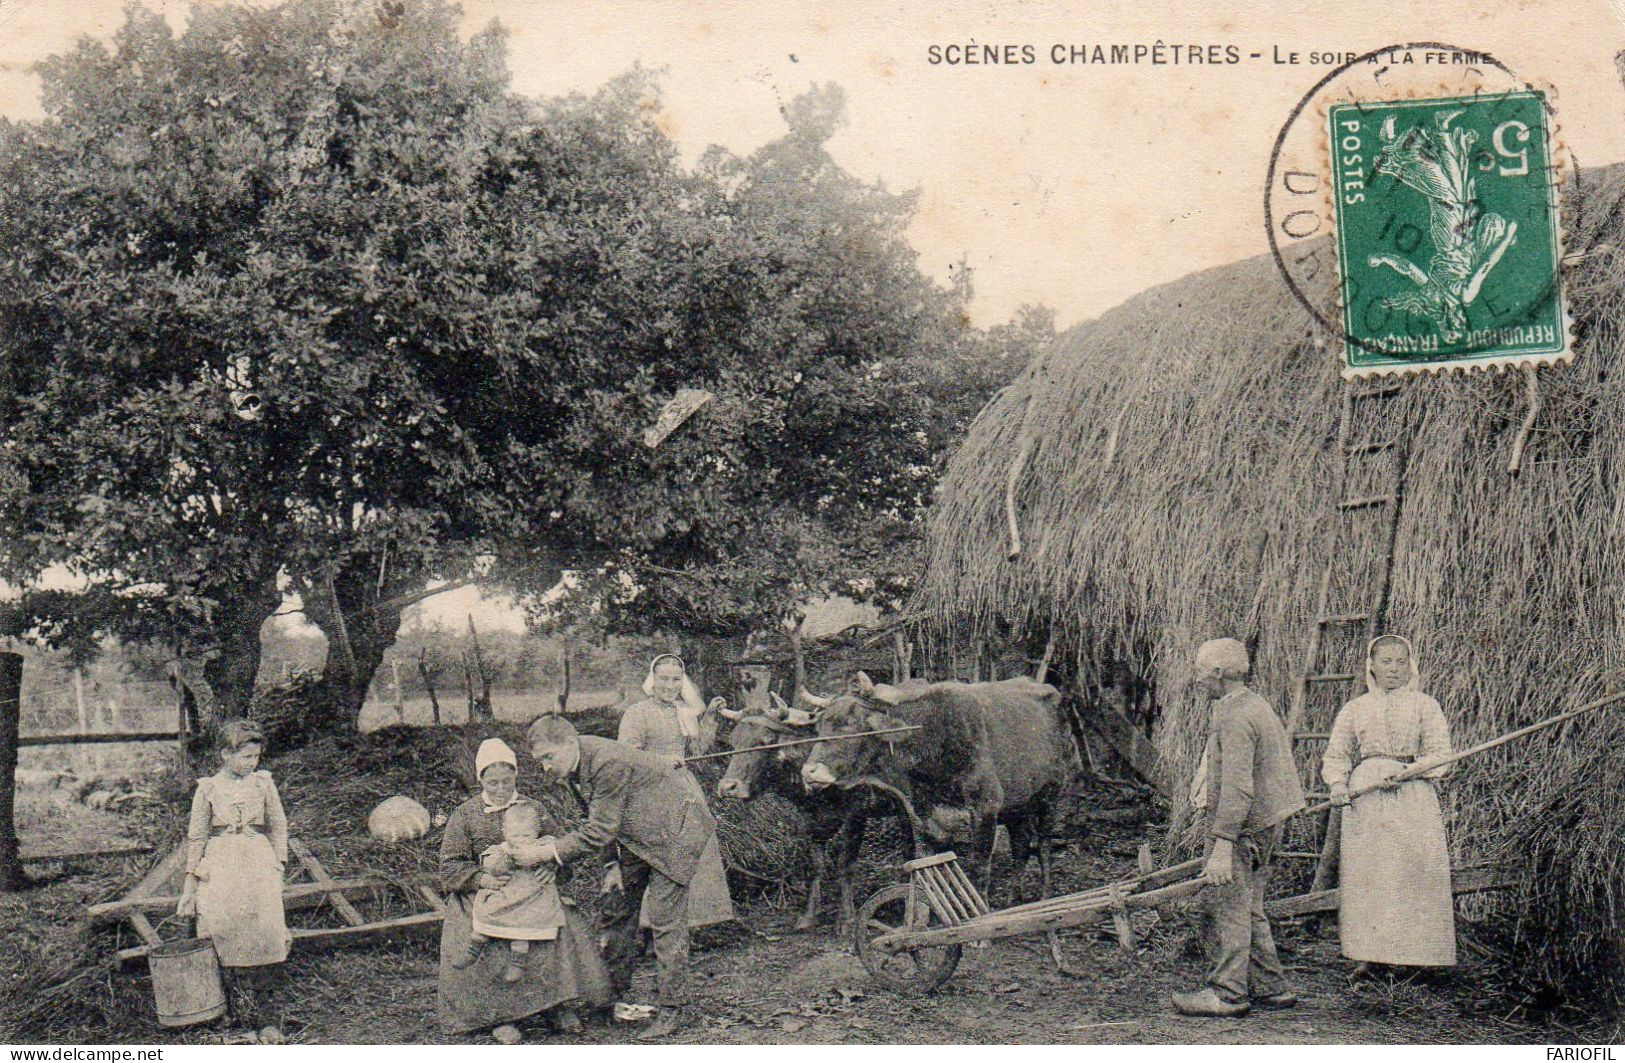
[[1181, 476]]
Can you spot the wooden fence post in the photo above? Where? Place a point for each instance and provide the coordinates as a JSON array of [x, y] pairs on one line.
[[79, 701], [428, 684], [86, 762], [11, 705], [903, 668], [798, 657], [1042, 675]]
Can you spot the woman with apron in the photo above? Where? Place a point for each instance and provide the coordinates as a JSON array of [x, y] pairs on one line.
[[673, 721], [1396, 902], [236, 849]]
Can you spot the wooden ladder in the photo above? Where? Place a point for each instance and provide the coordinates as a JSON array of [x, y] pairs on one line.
[[1373, 449], [156, 895]]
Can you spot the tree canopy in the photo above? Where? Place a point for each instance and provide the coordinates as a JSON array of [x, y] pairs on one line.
[[307, 295], [278, 203], [805, 313]]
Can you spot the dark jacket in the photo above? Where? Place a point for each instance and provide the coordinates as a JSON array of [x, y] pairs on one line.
[[641, 801], [1253, 782]]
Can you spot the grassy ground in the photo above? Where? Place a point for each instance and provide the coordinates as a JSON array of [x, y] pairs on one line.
[[756, 983]]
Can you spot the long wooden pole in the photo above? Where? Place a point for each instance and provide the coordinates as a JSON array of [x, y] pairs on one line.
[[100, 738], [1418, 770], [800, 742], [79, 700]]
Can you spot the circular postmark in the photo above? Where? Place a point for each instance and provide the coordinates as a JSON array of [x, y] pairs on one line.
[[1412, 205]]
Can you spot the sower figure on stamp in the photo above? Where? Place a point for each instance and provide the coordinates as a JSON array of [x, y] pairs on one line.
[[638, 801], [1252, 787]]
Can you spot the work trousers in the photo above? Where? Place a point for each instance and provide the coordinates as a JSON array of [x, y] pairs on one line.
[[1243, 949], [622, 939]]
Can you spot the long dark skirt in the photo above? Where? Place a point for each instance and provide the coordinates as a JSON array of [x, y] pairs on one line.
[[567, 970]]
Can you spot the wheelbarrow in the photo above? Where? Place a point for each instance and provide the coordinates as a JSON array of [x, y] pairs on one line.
[[909, 936]]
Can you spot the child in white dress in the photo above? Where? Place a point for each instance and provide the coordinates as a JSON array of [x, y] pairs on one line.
[[527, 907]]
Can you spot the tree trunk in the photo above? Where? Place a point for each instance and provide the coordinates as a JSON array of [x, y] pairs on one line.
[[232, 671], [188, 721], [480, 702], [11, 685], [428, 683], [360, 622]]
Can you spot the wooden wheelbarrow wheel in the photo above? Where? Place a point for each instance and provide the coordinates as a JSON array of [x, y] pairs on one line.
[[912, 971]]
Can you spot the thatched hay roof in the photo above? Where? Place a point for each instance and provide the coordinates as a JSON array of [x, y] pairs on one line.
[[1178, 487]]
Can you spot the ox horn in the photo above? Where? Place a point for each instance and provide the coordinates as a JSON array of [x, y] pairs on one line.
[[886, 694], [729, 714], [793, 717], [806, 696]]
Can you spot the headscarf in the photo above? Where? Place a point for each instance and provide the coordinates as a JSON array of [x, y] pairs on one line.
[[1371, 684], [690, 706], [494, 751]]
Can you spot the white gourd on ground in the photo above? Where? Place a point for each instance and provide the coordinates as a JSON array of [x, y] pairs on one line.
[[398, 819]]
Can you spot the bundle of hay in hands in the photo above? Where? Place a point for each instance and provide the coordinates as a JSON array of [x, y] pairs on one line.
[[1183, 452]]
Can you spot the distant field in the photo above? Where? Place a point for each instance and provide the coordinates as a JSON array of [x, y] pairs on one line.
[[50, 708], [515, 707], [142, 707]]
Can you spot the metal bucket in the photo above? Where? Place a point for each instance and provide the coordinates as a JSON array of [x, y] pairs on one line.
[[186, 982]]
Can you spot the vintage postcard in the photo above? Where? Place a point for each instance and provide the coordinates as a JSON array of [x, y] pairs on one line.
[[619, 522]]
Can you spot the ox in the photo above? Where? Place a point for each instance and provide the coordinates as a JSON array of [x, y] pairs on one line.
[[1001, 752], [835, 820]]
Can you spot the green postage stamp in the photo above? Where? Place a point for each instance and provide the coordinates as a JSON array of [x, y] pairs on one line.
[[1449, 245]]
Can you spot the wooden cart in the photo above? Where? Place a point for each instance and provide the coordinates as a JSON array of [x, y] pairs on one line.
[[909, 936]]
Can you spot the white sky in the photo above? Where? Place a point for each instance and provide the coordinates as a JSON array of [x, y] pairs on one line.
[[1071, 186], [1075, 187]]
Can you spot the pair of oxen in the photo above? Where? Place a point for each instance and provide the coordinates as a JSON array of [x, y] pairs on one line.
[[955, 755]]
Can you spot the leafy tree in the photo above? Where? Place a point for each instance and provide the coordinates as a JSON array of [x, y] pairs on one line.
[[960, 383], [827, 349], [458, 311], [285, 203]]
